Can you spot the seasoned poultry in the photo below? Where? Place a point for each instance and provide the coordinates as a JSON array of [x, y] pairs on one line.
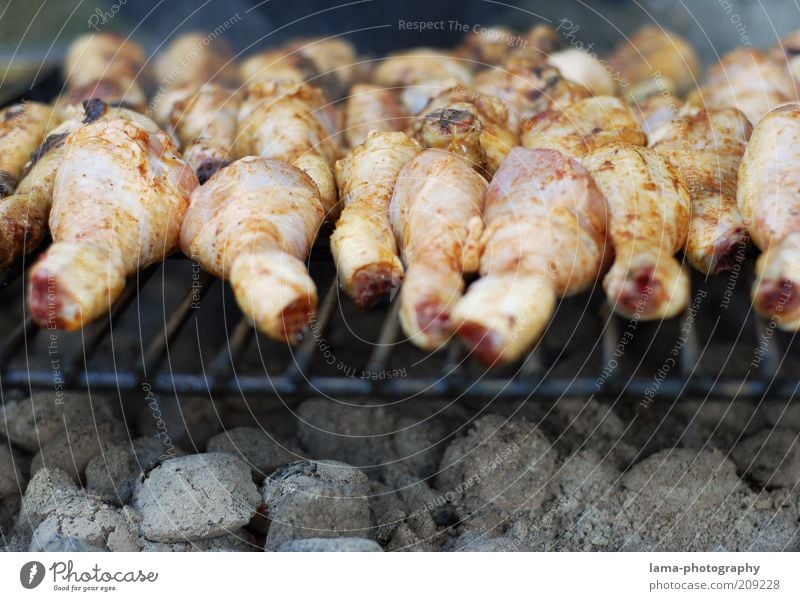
[[584, 69], [424, 73], [584, 126], [194, 59], [769, 199], [370, 107], [655, 110], [96, 56], [489, 46], [648, 223], [746, 79], [363, 244], [197, 100], [328, 63], [22, 128], [529, 88], [120, 194], [24, 214], [113, 92], [541, 39], [706, 148], [253, 223], [545, 237], [105, 66], [496, 45], [655, 54], [478, 127], [204, 121], [787, 51], [435, 213], [292, 123]]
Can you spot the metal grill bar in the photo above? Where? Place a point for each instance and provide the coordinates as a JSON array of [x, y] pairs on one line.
[[15, 343], [98, 330], [298, 378], [226, 359], [158, 347], [298, 369]]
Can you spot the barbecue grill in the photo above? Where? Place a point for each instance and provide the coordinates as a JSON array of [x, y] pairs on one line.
[[178, 330]]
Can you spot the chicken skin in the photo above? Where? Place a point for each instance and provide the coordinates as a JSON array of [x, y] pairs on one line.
[[529, 88], [475, 126], [253, 223], [545, 237], [108, 67], [488, 47], [292, 123], [584, 69], [24, 214], [95, 56], [787, 51], [655, 110], [648, 223], [120, 195], [435, 213], [585, 126], [370, 107], [204, 121], [495, 45], [424, 73], [194, 59], [653, 53], [22, 128], [363, 244], [113, 92], [706, 148], [769, 199], [746, 79], [329, 64]]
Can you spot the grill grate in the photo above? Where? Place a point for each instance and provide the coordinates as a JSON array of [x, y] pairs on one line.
[[172, 313], [628, 353]]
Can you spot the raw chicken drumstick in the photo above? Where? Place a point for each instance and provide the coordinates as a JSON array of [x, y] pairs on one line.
[[327, 63], [253, 223], [655, 110], [478, 127], [194, 59], [291, 123], [787, 51], [585, 126], [24, 214], [22, 128], [105, 66], [490, 46], [648, 223], [119, 198], [746, 79], [529, 88], [545, 231], [96, 56], [363, 244], [424, 73], [769, 199], [370, 107], [197, 100], [204, 121], [653, 55], [584, 69], [706, 148], [435, 212]]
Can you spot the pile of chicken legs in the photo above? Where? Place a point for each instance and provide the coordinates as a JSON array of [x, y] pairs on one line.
[[530, 172]]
